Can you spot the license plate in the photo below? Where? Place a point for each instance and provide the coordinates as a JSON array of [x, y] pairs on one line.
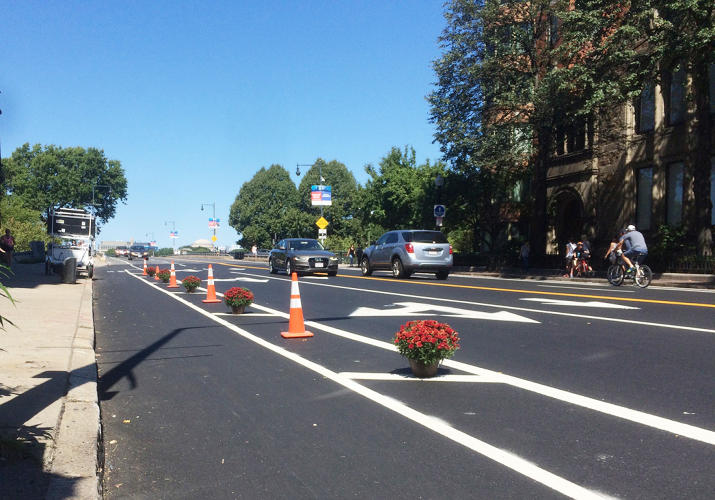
[[318, 264], [433, 252]]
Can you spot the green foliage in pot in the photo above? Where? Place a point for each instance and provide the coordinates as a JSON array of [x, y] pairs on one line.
[[191, 283]]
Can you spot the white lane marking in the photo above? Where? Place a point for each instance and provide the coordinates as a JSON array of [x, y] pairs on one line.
[[416, 308], [240, 278], [192, 270], [438, 378], [636, 416], [512, 308], [316, 277], [246, 314], [575, 303], [592, 288], [498, 455]]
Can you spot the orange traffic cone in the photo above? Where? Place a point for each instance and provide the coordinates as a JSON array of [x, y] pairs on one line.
[[144, 273], [211, 289], [156, 274], [172, 280], [296, 327]]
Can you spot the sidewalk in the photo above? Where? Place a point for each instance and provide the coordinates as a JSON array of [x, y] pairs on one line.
[[49, 414]]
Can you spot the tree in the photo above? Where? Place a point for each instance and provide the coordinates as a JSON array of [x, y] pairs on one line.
[[266, 208], [49, 177], [25, 223], [399, 193], [498, 100], [343, 185]]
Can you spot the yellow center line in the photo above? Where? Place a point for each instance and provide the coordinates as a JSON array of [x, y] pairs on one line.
[[515, 290]]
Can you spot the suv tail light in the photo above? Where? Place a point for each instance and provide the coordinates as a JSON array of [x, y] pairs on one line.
[[409, 247], [450, 249]]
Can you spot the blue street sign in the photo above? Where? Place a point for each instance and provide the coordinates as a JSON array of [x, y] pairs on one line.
[[439, 210]]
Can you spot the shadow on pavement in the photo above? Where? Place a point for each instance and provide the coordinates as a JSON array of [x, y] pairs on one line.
[[126, 367], [22, 446]]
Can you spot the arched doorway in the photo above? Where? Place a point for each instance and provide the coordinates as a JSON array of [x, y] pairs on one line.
[[569, 217]]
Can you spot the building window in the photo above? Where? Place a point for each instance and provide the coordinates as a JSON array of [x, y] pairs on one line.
[[553, 29], [674, 193], [676, 96], [644, 193], [645, 110]]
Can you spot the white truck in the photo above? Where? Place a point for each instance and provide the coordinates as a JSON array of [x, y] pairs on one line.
[[72, 251]]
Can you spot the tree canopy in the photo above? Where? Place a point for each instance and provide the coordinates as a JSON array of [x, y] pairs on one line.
[[266, 208], [51, 177]]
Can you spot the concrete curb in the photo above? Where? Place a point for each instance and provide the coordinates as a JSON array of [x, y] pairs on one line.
[[74, 465]]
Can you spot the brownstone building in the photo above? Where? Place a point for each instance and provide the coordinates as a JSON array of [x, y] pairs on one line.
[[630, 167]]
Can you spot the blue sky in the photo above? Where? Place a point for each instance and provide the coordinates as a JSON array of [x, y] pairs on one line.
[[194, 97]]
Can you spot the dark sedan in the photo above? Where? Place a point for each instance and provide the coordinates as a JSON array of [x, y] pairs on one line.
[[302, 255], [138, 251]]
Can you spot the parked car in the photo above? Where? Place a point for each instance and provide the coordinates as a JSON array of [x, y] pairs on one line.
[[409, 251], [121, 251], [138, 251], [302, 255]]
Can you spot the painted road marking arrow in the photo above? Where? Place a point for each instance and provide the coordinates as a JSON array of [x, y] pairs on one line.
[[592, 303], [418, 309], [237, 278]]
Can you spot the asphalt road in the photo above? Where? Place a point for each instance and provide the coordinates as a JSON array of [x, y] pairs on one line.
[[560, 389]]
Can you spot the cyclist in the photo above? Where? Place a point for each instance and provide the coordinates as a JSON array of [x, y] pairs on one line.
[[633, 245], [581, 255]]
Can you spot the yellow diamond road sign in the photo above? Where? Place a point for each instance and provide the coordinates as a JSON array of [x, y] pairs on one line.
[[214, 238], [321, 223]]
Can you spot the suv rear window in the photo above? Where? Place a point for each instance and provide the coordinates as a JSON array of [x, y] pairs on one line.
[[424, 237]]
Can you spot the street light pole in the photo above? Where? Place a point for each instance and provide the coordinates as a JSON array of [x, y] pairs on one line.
[[213, 240], [439, 182]]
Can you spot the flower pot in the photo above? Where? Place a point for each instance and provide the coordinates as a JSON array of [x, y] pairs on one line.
[[238, 309], [421, 370]]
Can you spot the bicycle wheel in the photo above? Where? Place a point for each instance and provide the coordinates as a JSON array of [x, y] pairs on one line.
[[643, 276], [615, 275]]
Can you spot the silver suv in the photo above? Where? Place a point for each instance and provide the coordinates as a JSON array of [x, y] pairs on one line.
[[408, 251]]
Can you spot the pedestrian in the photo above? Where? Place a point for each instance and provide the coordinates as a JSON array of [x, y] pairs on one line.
[[524, 256], [7, 244], [570, 248], [254, 251], [351, 253]]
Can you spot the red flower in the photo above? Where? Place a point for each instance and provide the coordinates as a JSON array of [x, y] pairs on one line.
[[428, 341]]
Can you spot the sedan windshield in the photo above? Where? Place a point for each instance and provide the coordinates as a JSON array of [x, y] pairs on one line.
[[305, 245]]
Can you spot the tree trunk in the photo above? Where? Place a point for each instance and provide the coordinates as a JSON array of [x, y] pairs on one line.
[[701, 156], [538, 226]]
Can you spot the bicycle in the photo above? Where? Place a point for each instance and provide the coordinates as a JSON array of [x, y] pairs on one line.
[[581, 268], [641, 274]]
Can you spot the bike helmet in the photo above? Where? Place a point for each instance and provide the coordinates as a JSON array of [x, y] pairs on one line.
[[631, 227]]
